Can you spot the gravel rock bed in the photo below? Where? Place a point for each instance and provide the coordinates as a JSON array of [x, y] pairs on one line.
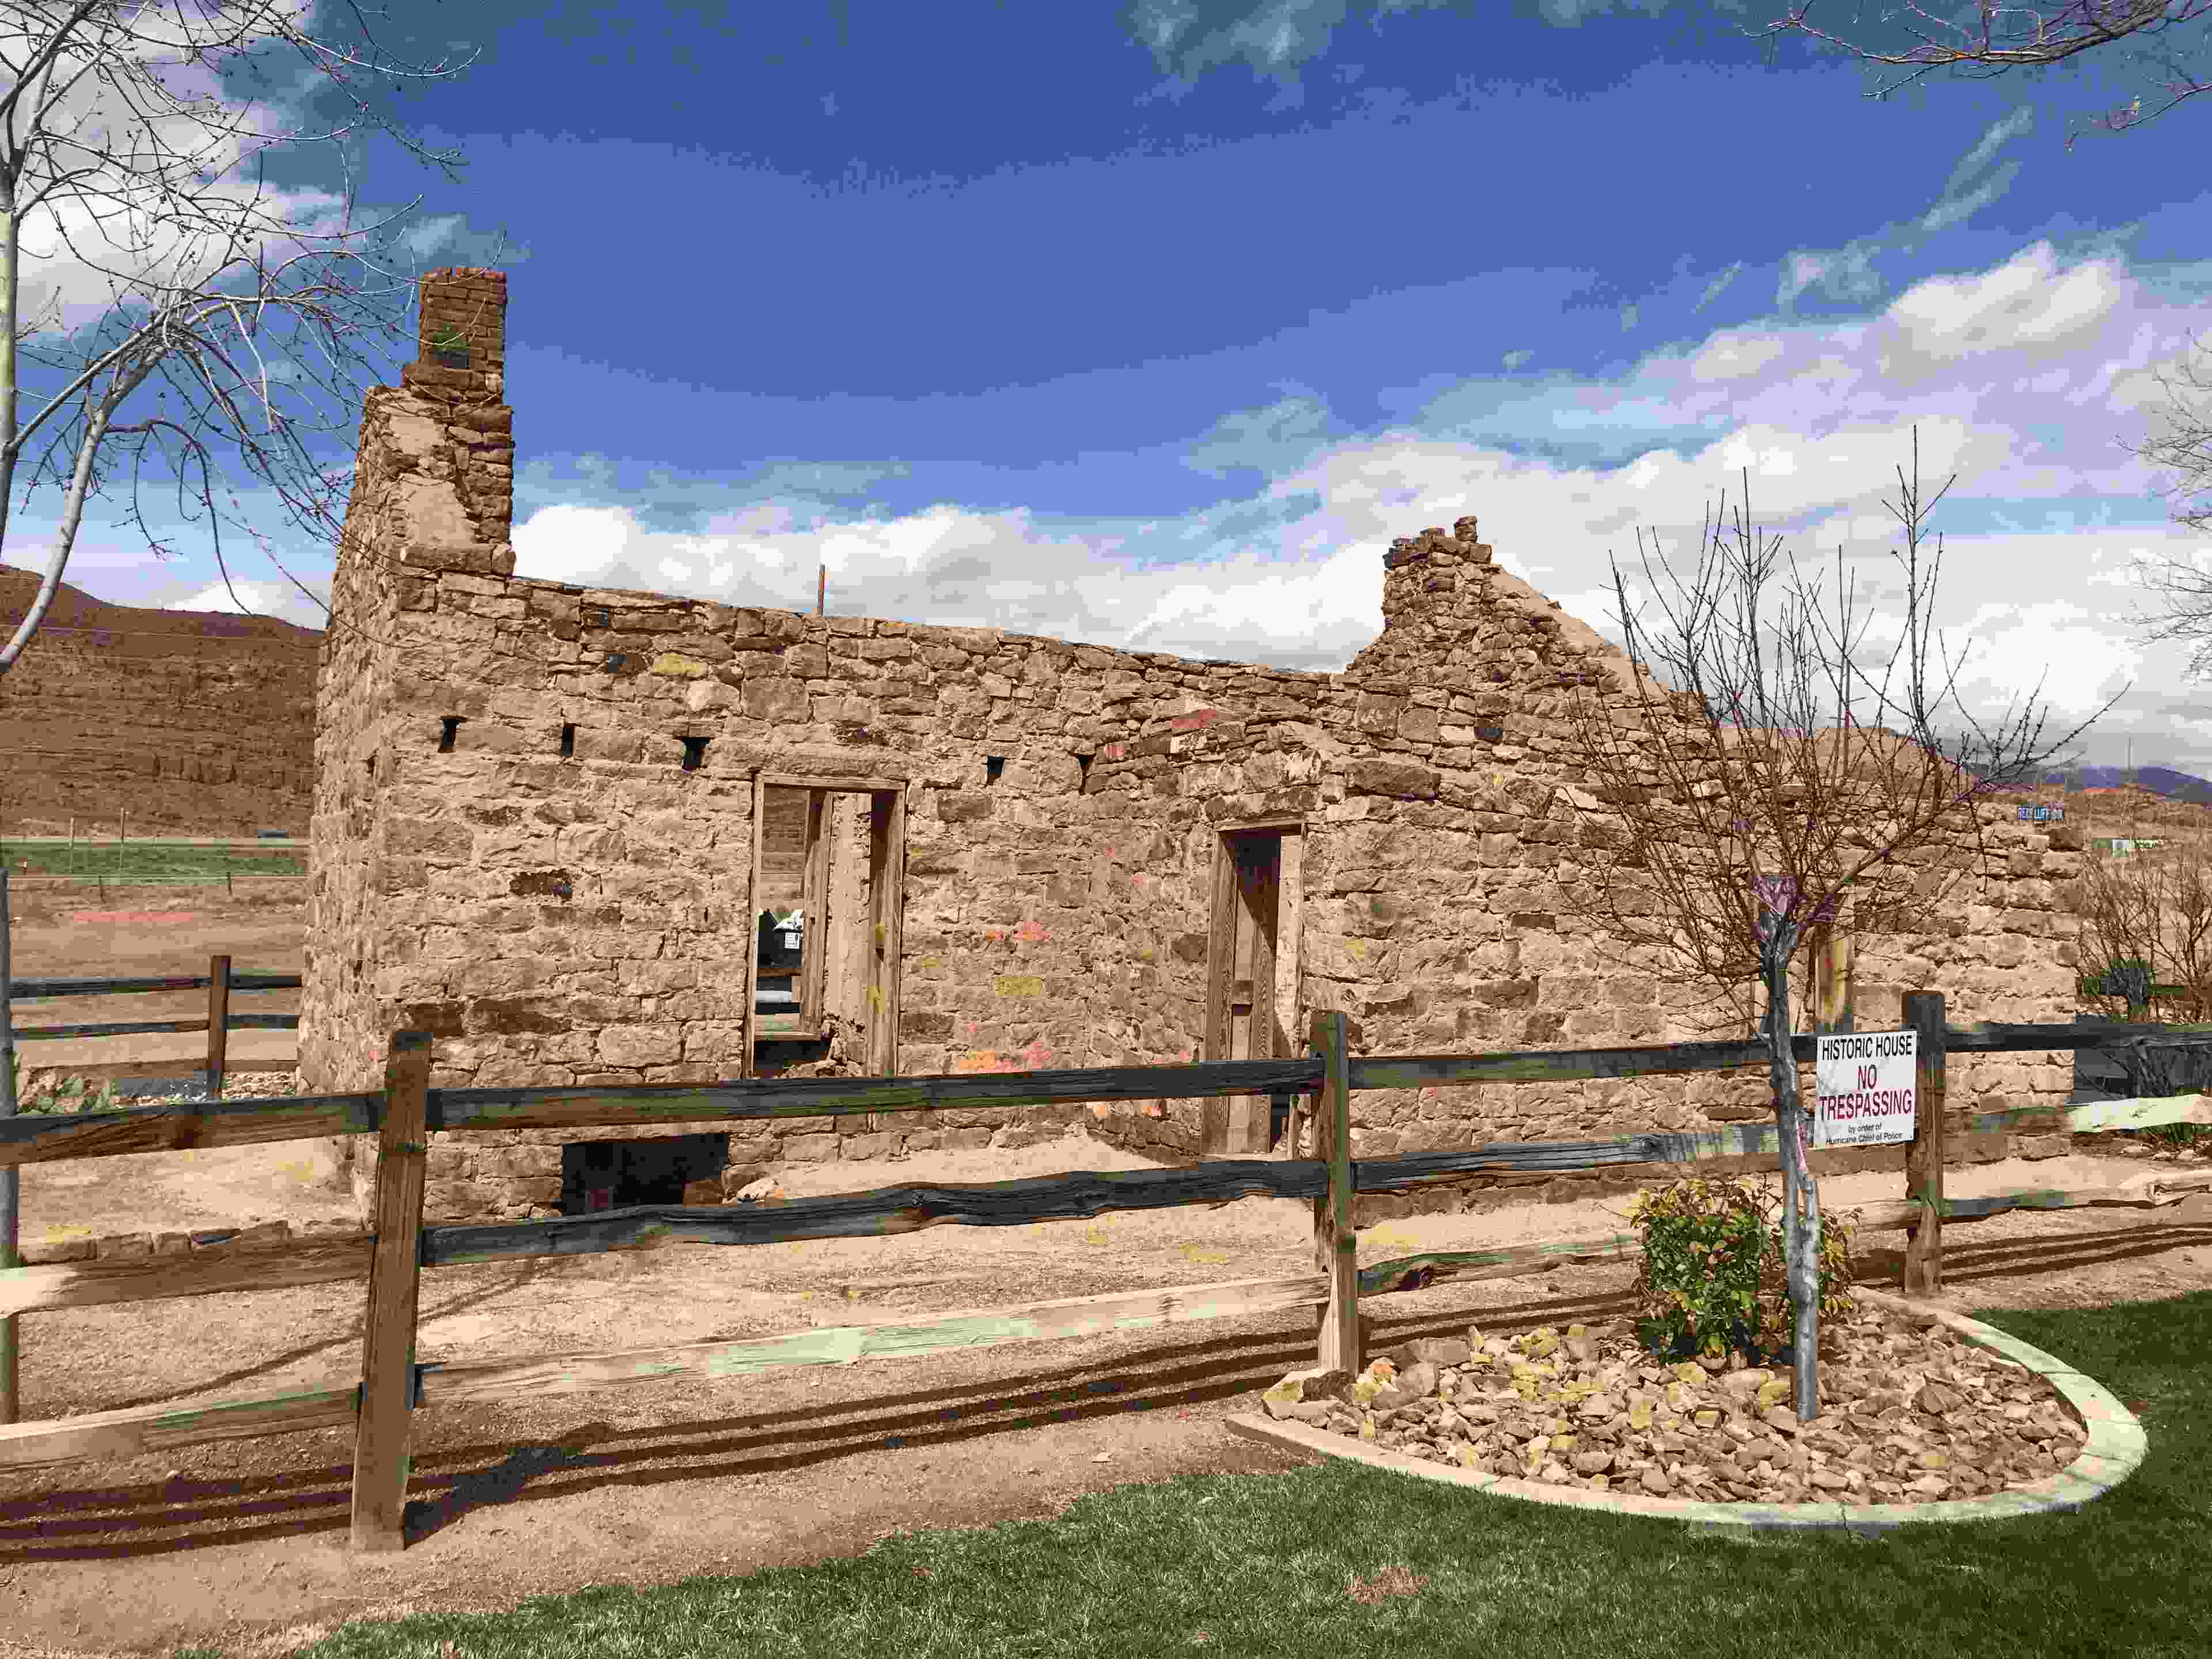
[[1910, 1412]]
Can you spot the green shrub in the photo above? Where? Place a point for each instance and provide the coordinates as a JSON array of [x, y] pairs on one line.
[[1715, 1279], [72, 1094]]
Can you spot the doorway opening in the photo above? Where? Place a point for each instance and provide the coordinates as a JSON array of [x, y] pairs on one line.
[[1252, 978], [828, 885], [615, 1175]]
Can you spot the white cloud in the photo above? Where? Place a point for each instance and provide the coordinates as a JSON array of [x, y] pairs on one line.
[[111, 222], [1734, 355], [2007, 649], [278, 598], [571, 543], [426, 236], [1309, 607]]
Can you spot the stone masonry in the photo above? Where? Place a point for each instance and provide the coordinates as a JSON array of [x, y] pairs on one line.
[[510, 851]]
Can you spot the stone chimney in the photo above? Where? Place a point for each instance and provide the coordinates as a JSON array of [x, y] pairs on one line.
[[462, 332], [438, 450]]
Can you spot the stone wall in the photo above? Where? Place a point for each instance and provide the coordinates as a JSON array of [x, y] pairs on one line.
[[535, 875], [1443, 854], [189, 722]]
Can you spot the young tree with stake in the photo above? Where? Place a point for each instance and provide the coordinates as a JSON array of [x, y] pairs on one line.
[[1728, 823]]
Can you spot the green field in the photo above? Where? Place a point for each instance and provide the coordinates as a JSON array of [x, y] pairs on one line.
[[151, 860]]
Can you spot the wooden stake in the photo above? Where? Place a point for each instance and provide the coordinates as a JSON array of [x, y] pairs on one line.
[[387, 1354], [1834, 987], [1924, 1165], [821, 586], [218, 1022], [1336, 1240]]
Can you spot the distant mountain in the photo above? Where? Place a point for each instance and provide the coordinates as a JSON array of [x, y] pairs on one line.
[[2153, 780], [195, 721], [74, 608]]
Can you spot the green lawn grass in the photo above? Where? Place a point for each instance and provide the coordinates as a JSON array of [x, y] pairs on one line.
[[1336, 1561]]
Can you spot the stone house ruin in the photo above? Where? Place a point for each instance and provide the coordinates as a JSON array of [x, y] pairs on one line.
[[547, 818]]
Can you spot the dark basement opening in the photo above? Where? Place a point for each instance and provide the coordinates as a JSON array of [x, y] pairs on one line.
[[618, 1175], [1083, 769], [453, 724], [992, 765], [695, 750], [567, 743]]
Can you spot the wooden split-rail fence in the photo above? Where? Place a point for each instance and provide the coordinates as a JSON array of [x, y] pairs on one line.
[[392, 1385], [220, 980]]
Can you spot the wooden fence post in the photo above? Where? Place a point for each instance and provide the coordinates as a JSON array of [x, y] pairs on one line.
[[218, 1022], [1336, 1240], [1923, 1163], [387, 1350]]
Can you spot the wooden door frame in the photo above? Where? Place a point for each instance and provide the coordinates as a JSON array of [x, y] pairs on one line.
[[746, 1068], [1228, 1119], [885, 932], [887, 925]]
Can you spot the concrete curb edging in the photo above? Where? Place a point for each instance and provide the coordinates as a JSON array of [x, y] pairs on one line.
[[2116, 1448]]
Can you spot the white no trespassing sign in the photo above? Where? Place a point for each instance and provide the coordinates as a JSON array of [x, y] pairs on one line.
[[1863, 1088]]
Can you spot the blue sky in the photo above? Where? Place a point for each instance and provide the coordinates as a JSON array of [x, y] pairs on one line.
[[1152, 324]]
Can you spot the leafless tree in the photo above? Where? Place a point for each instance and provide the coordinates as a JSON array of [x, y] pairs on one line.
[[183, 312], [1726, 822], [2147, 956], [2035, 40], [2187, 448]]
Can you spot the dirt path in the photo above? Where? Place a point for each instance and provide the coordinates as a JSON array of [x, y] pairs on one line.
[[243, 1543], [652, 1485]]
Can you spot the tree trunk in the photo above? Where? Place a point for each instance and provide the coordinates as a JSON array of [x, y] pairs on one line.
[[1801, 1205]]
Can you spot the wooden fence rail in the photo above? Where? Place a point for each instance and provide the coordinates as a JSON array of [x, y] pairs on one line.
[[248, 1122], [219, 981], [393, 1384]]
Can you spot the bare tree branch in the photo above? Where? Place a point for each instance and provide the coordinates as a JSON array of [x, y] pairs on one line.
[[255, 319], [2079, 26]]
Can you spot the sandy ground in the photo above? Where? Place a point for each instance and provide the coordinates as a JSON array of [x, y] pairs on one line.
[[244, 1541], [148, 932]]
